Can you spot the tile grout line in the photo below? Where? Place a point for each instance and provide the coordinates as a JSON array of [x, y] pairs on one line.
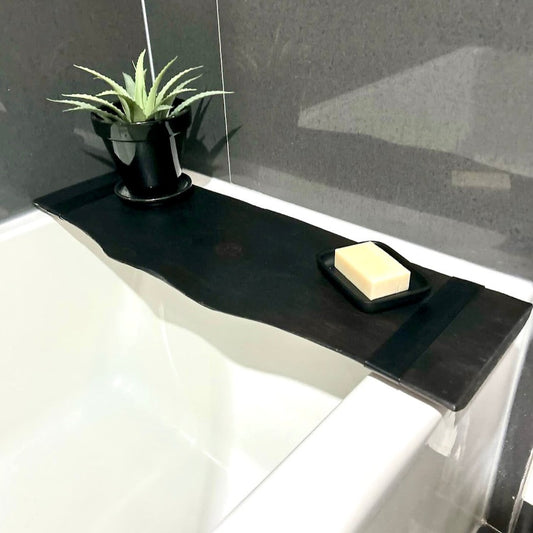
[[148, 41], [223, 88]]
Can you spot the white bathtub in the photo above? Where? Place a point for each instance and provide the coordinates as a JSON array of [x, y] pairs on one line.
[[127, 407]]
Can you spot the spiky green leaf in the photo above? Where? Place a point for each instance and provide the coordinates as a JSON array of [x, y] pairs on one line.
[[140, 80], [181, 88], [129, 84], [84, 106], [159, 112], [127, 103], [107, 93], [119, 90], [168, 86], [128, 99], [170, 98], [151, 100], [107, 117], [121, 93], [100, 101], [194, 98]]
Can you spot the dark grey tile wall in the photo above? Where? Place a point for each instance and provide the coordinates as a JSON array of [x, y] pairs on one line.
[[409, 117], [41, 148], [189, 30]]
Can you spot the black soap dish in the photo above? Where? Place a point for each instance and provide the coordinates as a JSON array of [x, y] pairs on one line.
[[418, 285]]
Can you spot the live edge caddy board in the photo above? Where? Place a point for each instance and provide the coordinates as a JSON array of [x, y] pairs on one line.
[[258, 264]]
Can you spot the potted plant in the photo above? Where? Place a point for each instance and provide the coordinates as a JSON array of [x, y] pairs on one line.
[[142, 129]]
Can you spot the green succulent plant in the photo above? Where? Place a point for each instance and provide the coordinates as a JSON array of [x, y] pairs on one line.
[[137, 104]]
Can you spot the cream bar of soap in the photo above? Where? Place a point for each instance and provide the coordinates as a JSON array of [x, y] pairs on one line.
[[372, 270]]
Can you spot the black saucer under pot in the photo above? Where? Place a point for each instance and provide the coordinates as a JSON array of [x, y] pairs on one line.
[[146, 154]]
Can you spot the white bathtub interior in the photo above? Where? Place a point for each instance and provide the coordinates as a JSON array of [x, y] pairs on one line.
[[126, 406]]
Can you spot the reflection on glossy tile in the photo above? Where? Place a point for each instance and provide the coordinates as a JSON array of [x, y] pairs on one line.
[[458, 103], [189, 30], [42, 149], [411, 118]]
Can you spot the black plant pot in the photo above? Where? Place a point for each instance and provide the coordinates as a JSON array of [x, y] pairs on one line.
[[147, 154]]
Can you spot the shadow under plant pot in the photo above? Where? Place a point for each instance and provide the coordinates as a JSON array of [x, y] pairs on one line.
[[147, 156]]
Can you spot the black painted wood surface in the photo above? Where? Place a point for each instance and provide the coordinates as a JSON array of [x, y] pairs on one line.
[[254, 263]]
